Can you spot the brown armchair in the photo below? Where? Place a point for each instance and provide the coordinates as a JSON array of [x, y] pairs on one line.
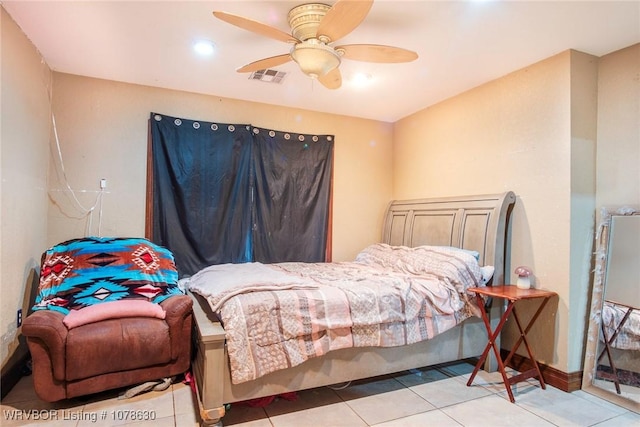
[[105, 354]]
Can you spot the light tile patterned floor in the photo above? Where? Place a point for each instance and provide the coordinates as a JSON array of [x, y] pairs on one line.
[[426, 397]]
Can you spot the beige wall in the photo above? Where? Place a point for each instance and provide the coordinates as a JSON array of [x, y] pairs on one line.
[[534, 131], [618, 158], [102, 129], [518, 133], [24, 130]]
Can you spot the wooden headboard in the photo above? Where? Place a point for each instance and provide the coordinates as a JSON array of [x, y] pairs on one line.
[[470, 222]]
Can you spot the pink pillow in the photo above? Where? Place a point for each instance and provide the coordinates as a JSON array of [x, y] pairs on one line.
[[112, 310]]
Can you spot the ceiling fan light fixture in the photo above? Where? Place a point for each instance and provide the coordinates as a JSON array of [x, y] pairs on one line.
[[304, 19], [314, 26], [315, 59]]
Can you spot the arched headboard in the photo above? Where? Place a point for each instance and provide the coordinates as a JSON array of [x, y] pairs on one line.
[[476, 223]]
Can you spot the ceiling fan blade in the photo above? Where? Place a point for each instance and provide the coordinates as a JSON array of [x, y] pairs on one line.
[[343, 17], [376, 53], [255, 27], [262, 64], [331, 80]]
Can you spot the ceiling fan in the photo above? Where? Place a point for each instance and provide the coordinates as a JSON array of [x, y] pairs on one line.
[[314, 27]]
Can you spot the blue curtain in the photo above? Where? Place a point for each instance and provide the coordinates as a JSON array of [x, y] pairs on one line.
[[224, 193], [201, 191], [292, 193]]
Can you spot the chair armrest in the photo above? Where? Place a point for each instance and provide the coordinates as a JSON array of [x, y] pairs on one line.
[[179, 317], [47, 326]]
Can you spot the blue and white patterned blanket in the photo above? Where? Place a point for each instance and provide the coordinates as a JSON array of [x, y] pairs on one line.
[[83, 272]]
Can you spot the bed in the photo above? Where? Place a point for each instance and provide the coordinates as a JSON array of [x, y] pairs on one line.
[[477, 224]]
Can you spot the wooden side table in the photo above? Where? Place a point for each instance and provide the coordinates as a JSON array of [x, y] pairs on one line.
[[511, 293]]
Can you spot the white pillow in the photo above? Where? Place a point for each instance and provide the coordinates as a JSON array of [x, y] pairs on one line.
[[487, 273]]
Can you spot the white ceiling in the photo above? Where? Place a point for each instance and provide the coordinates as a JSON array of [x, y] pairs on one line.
[[461, 44]]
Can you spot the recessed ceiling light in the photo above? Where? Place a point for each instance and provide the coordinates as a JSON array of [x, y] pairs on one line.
[[204, 47], [361, 79]]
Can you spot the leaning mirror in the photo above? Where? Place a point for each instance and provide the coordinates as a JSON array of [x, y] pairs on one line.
[[612, 356]]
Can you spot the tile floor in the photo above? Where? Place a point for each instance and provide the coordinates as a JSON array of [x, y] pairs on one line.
[[436, 396]]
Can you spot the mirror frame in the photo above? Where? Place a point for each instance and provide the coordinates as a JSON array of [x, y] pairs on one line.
[[600, 272]]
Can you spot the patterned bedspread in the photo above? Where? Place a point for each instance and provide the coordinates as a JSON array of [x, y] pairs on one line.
[[290, 312]]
